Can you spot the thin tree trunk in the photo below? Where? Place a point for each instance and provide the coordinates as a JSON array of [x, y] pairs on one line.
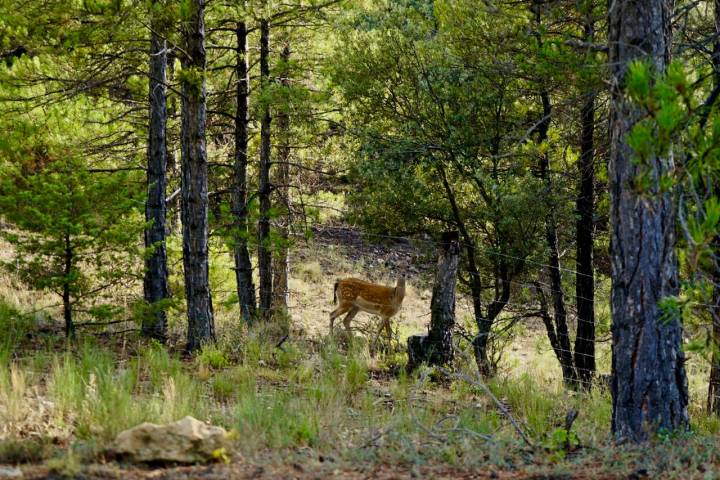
[[281, 291], [201, 328], [67, 302], [502, 287], [585, 206], [584, 277], [155, 284], [713, 401], [264, 247], [556, 290], [649, 384], [243, 264]]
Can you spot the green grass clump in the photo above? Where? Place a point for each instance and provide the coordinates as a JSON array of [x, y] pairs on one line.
[[214, 357], [223, 387], [67, 465], [30, 450], [14, 328]]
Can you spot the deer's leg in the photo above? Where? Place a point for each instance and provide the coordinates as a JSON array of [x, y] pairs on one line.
[[337, 312], [379, 332], [388, 330], [348, 318]]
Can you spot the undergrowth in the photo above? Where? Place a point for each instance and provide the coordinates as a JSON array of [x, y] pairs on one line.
[[65, 405]]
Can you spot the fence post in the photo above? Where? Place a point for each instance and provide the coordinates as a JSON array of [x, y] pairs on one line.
[[436, 347]]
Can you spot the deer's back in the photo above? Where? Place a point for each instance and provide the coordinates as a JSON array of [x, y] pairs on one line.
[[351, 288]]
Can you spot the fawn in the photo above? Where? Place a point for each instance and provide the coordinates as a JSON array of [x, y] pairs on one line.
[[354, 295]]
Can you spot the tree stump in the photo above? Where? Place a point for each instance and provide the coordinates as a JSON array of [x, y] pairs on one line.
[[436, 347]]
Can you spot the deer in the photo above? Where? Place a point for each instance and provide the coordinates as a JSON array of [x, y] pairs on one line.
[[355, 295]]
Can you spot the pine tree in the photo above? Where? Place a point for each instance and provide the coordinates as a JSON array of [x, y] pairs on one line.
[[201, 327]]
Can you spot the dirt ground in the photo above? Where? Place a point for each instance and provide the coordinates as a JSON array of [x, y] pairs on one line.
[[313, 469]]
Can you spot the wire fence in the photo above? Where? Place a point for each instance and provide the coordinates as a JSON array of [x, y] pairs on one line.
[[527, 309], [490, 253]]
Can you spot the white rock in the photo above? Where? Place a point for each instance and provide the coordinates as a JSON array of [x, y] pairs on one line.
[[186, 441]]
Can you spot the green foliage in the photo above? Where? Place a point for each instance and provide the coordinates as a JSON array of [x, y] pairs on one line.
[[71, 229], [561, 442]]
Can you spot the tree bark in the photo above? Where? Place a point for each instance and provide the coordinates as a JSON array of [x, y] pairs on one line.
[[67, 302], [436, 348], [713, 401], [201, 328], [155, 283], [556, 290], [442, 304], [584, 276], [264, 247], [584, 231], [281, 266], [649, 384], [241, 254]]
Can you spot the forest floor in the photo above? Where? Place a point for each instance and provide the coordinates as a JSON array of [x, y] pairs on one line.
[[317, 406]]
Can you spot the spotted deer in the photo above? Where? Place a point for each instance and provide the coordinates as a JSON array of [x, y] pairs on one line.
[[354, 295]]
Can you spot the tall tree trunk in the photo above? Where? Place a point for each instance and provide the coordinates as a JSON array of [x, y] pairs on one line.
[[559, 311], [243, 265], [155, 284], [585, 206], [649, 384], [264, 246], [713, 401], [201, 328], [584, 276], [67, 302], [281, 291]]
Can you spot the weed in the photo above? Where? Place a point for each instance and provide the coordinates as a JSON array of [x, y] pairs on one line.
[[65, 466], [213, 357], [31, 450], [223, 387]]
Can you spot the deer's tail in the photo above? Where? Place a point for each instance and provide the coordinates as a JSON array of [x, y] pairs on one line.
[[337, 282]]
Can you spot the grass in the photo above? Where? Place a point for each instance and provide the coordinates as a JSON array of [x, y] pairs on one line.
[[310, 395], [63, 404]]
